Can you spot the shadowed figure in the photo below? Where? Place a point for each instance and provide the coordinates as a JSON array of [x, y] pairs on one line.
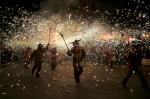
[[27, 56], [54, 58], [37, 57], [134, 58], [78, 54]]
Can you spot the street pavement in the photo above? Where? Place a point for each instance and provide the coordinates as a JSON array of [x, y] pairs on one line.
[[97, 82]]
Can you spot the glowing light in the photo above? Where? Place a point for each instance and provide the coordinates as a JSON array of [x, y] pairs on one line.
[[145, 35], [36, 30], [130, 39], [107, 37]]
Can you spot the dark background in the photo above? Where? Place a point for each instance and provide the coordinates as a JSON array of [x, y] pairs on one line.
[[130, 12]]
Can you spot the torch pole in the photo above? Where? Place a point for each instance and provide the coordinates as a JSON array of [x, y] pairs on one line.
[[64, 40], [49, 35]]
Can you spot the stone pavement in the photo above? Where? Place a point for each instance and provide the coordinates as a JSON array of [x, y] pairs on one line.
[[97, 82]]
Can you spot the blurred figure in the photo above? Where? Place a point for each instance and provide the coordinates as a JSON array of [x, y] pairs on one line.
[[27, 56], [3, 56], [54, 58], [112, 58], [147, 52], [37, 57], [78, 54], [134, 59]]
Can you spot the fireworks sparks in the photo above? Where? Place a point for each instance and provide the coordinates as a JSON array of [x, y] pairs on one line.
[[100, 33], [33, 29], [36, 30]]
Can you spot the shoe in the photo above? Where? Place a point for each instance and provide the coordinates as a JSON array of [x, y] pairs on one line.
[[77, 84], [32, 72], [124, 85], [37, 75]]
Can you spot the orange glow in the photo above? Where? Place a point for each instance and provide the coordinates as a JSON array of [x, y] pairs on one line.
[[105, 37]]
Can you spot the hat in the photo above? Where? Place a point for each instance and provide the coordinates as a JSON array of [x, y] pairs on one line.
[[76, 41], [40, 45]]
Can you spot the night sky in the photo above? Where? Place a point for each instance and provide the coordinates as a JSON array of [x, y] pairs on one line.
[[128, 13]]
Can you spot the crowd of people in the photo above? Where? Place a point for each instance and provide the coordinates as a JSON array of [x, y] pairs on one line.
[[107, 53]]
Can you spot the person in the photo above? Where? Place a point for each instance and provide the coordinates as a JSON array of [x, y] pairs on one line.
[[3, 56], [54, 58], [112, 58], [78, 54], [37, 57], [134, 61], [27, 56]]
